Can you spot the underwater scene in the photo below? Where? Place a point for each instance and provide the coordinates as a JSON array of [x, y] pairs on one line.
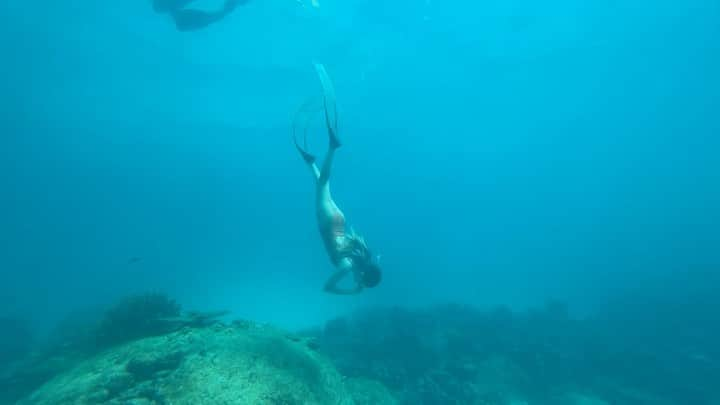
[[417, 202]]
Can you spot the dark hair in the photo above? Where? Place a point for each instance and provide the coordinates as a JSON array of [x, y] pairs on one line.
[[356, 249], [371, 276]]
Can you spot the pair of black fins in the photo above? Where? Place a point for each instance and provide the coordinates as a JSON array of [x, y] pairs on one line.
[[331, 119], [189, 19]]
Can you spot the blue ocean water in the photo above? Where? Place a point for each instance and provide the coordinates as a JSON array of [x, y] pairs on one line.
[[498, 153]]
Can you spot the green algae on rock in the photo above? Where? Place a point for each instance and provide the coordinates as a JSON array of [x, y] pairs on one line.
[[238, 364]]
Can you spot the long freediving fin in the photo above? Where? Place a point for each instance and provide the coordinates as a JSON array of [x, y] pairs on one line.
[[330, 104], [300, 115]]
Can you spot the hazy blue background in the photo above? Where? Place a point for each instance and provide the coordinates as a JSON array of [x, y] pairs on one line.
[[497, 152]]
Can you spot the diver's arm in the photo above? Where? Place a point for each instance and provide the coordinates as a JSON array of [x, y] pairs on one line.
[[331, 285]]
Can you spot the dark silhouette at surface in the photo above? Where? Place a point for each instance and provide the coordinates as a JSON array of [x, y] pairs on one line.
[[190, 19]]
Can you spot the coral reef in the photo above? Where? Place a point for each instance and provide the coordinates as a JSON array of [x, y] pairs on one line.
[[80, 337], [242, 363], [136, 317], [458, 354], [145, 350]]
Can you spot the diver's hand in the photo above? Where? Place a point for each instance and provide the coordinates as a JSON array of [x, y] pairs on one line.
[[343, 291], [331, 285]]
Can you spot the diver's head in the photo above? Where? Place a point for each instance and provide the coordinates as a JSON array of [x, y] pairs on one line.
[[367, 270], [370, 275]]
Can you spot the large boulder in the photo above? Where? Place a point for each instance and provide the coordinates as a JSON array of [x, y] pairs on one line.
[[242, 363]]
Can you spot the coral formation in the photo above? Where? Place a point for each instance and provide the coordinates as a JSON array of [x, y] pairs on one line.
[[243, 363], [136, 317], [147, 351], [458, 354], [78, 338]]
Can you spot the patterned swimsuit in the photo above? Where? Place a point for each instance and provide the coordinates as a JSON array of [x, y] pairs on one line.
[[332, 231]]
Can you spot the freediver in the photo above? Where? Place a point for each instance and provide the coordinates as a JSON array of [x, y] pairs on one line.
[[190, 19], [347, 250]]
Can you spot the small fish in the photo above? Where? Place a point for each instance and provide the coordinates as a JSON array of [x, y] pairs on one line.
[[134, 260]]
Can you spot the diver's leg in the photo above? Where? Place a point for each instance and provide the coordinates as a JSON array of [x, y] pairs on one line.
[[324, 196], [315, 171], [330, 121], [324, 177], [325, 201], [326, 205], [327, 212]]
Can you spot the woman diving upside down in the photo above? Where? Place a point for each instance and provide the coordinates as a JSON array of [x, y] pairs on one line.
[[348, 251]]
